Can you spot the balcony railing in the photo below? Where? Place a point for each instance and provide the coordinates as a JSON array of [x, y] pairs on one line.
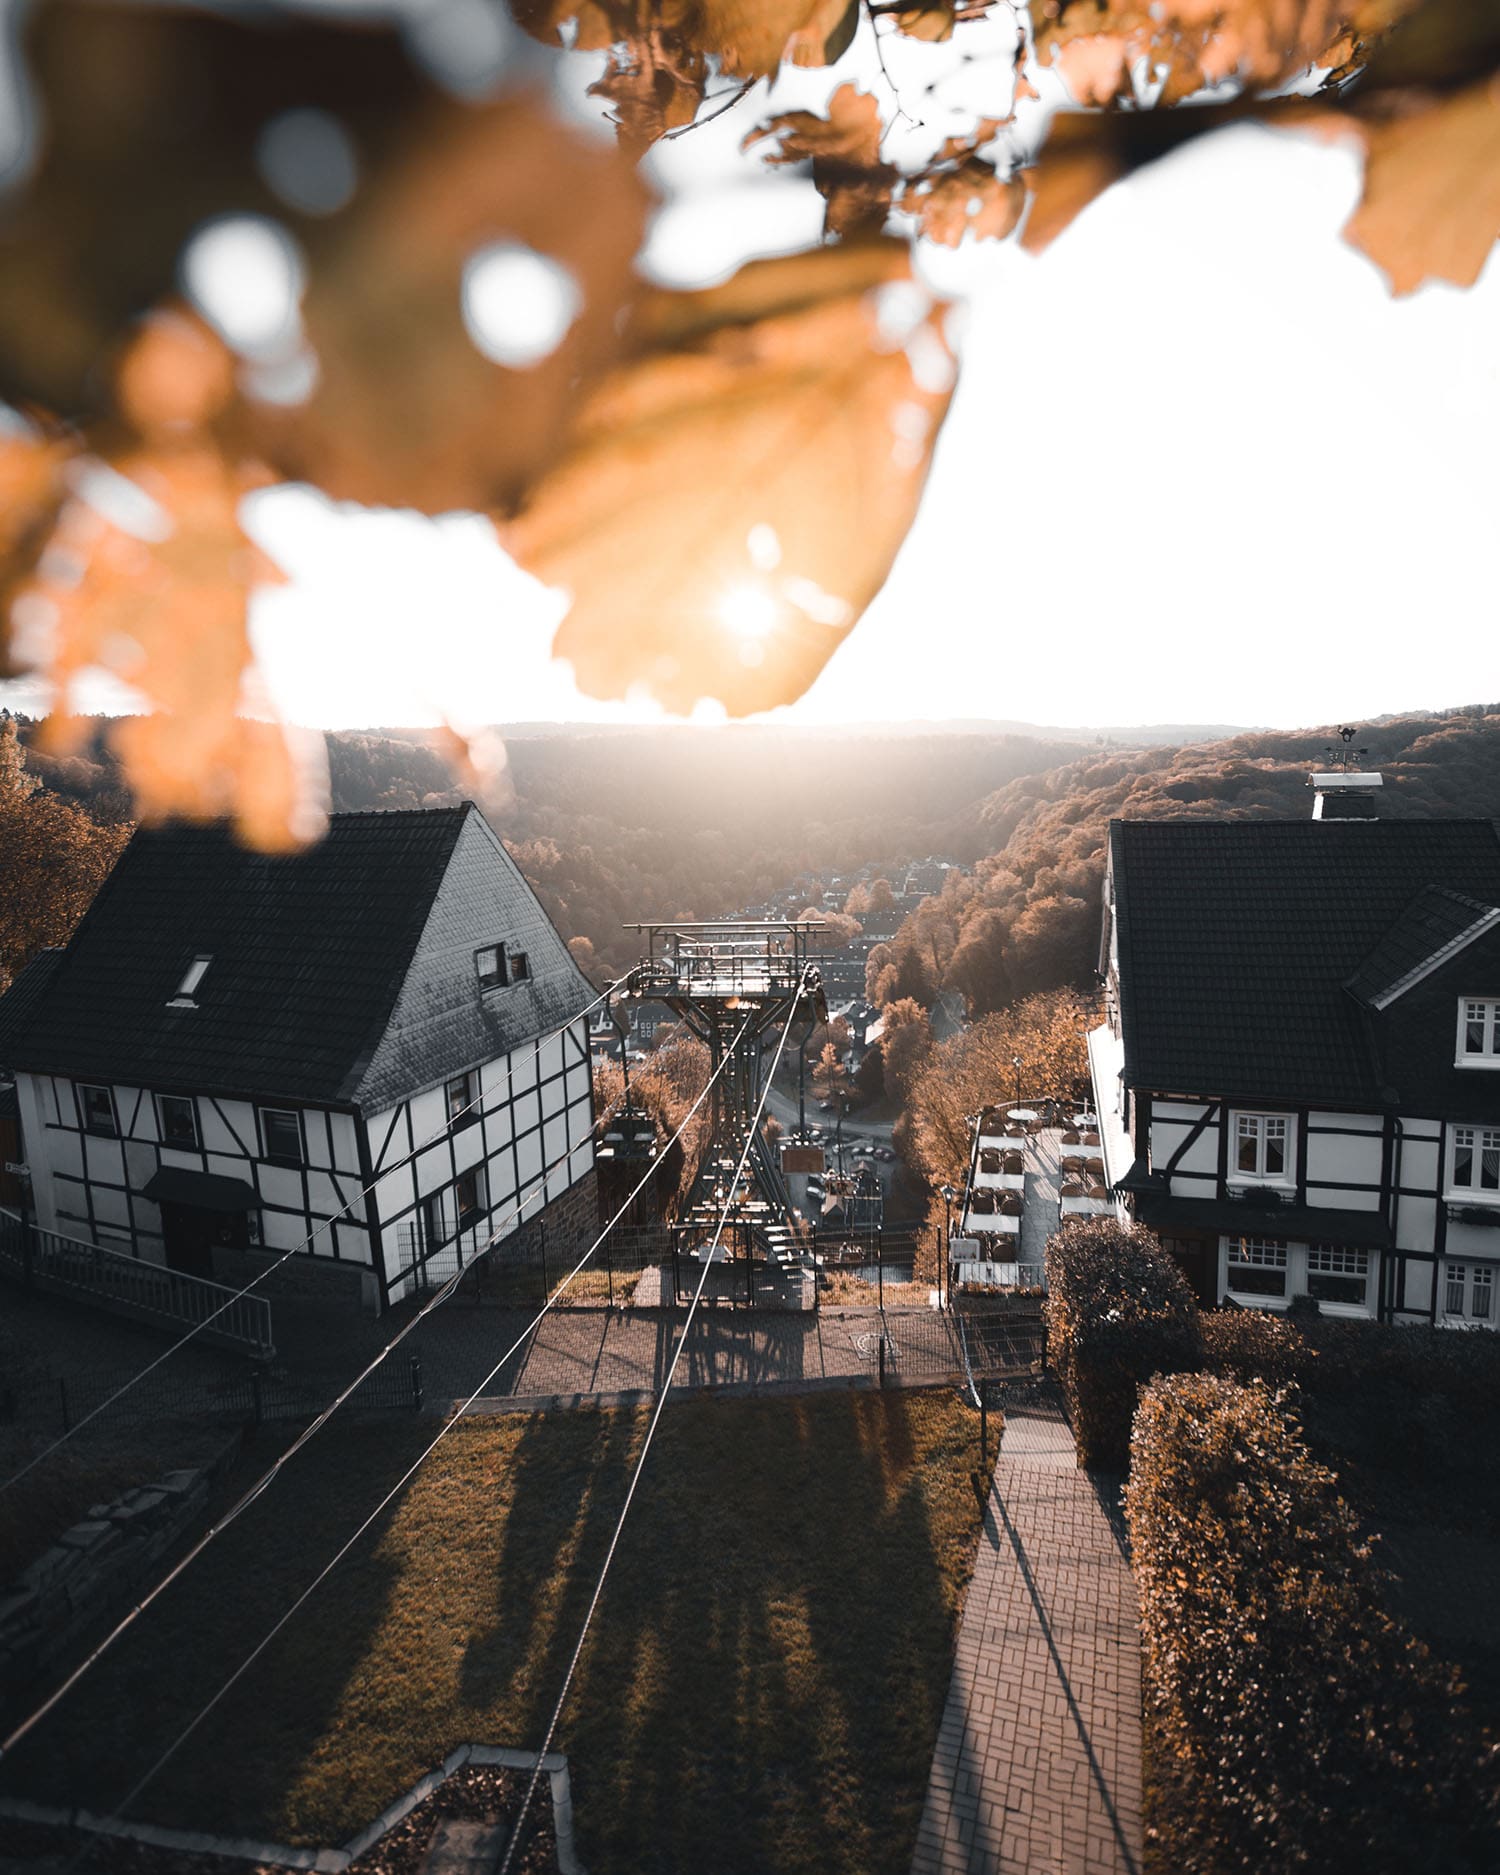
[[47, 1261]]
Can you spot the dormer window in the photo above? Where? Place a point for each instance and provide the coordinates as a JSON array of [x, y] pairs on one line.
[[1478, 1032], [496, 967], [186, 997]]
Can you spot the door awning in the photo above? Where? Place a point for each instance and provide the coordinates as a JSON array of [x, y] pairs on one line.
[[206, 1191]]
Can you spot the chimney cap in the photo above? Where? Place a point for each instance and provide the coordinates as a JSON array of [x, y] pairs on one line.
[[1346, 778]]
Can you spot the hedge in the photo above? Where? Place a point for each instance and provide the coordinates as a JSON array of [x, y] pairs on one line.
[[1118, 1311], [1415, 1409], [1291, 1722]]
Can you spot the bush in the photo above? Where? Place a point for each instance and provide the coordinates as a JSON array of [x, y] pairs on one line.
[[1410, 1413], [1118, 1311], [1291, 1722]]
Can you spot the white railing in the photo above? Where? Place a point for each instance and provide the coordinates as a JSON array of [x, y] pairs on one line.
[[88, 1272]]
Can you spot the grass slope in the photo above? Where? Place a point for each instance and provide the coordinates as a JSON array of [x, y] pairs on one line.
[[763, 1683]]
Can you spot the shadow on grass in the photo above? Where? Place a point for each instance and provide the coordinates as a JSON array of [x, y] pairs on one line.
[[114, 1726], [761, 1691], [763, 1686]]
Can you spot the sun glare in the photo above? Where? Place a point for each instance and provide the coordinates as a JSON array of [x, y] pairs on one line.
[[749, 612]]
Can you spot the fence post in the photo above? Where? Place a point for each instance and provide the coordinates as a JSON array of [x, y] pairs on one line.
[[609, 1265], [257, 1403], [417, 1393], [62, 1388], [882, 1353]]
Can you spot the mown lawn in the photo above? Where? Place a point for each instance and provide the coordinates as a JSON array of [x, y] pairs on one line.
[[761, 1691]]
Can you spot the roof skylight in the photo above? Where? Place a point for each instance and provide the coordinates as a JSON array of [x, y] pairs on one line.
[[186, 997]]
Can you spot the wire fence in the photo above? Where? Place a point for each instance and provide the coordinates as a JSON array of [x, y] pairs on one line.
[[51, 1405]]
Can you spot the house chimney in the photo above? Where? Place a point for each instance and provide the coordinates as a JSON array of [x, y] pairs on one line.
[[1344, 791], [1346, 795]]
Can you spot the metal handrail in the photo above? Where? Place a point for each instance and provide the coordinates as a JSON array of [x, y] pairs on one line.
[[74, 1266]]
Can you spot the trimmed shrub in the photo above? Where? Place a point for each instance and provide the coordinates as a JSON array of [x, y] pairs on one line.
[[1118, 1311], [1291, 1722], [1412, 1412]]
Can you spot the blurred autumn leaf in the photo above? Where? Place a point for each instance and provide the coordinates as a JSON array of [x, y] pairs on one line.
[[734, 494], [660, 55], [720, 479], [1187, 45], [844, 149]]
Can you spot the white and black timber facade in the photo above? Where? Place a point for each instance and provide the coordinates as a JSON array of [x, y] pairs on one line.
[[379, 1046], [1298, 1077]]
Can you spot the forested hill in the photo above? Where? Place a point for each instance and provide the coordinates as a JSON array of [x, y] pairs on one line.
[[621, 824], [1028, 917], [614, 825]]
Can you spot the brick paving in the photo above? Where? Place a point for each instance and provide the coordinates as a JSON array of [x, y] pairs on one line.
[[1038, 1761]]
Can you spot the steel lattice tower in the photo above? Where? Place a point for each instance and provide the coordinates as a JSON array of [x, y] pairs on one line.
[[735, 986]]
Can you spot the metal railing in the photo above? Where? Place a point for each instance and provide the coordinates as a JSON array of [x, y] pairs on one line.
[[47, 1261]]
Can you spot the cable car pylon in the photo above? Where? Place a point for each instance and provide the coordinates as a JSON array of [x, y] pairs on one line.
[[736, 985]]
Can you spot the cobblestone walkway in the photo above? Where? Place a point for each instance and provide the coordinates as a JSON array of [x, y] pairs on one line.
[[1038, 1763]]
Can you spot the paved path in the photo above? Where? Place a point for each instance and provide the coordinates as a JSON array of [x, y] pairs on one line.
[[1038, 1763], [1040, 1210]]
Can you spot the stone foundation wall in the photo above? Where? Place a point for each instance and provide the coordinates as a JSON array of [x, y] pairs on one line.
[[91, 1573], [304, 1277], [573, 1219]]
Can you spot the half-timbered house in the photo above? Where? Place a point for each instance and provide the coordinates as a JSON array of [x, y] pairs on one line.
[[1298, 1076], [376, 1049]]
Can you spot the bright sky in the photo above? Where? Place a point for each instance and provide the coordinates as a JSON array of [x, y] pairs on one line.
[[1200, 467]]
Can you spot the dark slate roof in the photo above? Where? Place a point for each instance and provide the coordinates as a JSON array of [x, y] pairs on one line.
[[1436, 921], [309, 953], [22, 997], [1236, 940], [439, 1023]]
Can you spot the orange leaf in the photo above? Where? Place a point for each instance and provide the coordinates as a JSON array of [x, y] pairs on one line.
[[1431, 202], [734, 495], [972, 199], [408, 411]]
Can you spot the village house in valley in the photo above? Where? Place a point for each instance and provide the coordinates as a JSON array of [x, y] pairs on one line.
[[234, 1046], [1298, 1077]]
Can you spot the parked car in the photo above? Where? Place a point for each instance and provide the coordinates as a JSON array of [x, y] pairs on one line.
[[884, 1152]]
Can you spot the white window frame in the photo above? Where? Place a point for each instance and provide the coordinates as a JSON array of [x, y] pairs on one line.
[[1479, 1140], [1475, 1288], [1340, 1263], [1485, 1012], [1268, 1253], [283, 1159], [195, 1144], [1262, 1128], [1299, 1264], [112, 1131]]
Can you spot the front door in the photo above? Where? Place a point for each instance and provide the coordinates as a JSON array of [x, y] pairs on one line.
[[191, 1233], [1198, 1259]]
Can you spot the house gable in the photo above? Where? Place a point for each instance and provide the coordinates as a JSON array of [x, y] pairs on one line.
[[441, 1022], [1436, 925], [1417, 1034], [1237, 939]]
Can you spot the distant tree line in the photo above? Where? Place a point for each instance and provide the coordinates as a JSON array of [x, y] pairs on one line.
[[1027, 918]]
